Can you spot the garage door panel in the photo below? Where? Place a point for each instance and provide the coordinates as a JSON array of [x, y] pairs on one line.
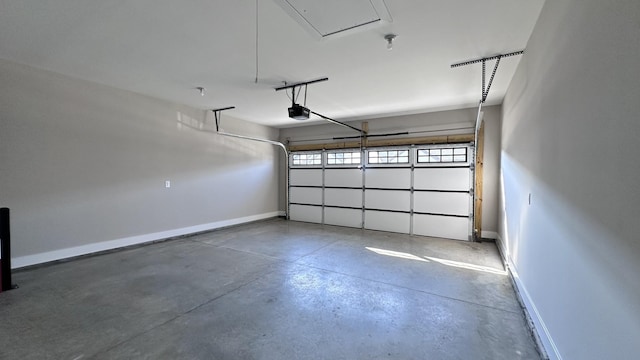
[[387, 221], [441, 226], [306, 195], [441, 202], [306, 213], [387, 199], [309, 177], [343, 177], [442, 178], [343, 197], [388, 178], [343, 217]]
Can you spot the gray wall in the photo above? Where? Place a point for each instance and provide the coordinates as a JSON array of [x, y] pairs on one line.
[[84, 164], [569, 138], [427, 124]]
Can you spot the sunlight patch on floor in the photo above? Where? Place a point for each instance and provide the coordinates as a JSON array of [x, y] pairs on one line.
[[397, 254], [452, 263], [464, 265]]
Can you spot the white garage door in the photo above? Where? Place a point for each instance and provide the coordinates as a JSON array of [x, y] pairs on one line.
[[424, 190]]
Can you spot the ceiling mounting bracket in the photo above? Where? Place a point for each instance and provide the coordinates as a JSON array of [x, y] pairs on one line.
[[299, 87], [497, 58], [303, 83], [216, 113]]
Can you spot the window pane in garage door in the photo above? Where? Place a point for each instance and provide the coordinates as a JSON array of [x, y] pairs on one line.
[[388, 156], [344, 158], [306, 159]]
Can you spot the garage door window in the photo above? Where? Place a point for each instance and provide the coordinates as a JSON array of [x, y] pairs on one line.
[[389, 157], [344, 158], [307, 159], [443, 155]]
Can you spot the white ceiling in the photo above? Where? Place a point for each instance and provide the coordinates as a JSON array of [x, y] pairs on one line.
[[167, 48]]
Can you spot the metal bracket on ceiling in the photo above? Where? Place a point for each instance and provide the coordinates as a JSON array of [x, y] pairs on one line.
[[216, 113], [497, 58], [299, 86]]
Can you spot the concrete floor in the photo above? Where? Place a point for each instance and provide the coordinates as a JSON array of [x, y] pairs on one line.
[[271, 290]]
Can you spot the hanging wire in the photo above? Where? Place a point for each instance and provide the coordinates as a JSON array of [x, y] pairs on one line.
[[294, 96], [257, 23], [298, 94], [305, 95], [286, 92]]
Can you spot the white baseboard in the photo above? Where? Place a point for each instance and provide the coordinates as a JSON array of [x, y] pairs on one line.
[[539, 326], [501, 249], [489, 234], [282, 213], [48, 256]]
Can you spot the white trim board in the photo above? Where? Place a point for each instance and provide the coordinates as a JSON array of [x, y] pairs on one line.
[[544, 337], [54, 255]]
